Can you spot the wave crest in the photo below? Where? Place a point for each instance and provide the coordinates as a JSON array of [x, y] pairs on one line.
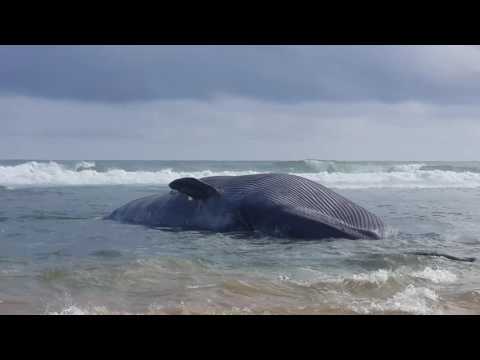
[[33, 173], [55, 174], [83, 165]]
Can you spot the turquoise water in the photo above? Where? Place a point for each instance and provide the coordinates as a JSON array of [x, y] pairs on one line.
[[57, 256]]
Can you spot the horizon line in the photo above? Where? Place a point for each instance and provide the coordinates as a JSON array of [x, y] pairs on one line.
[[236, 160]]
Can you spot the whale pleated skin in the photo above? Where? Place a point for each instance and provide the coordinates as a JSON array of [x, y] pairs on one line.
[[280, 205]]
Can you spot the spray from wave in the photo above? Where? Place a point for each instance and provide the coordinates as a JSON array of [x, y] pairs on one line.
[[335, 174], [55, 174], [331, 166], [84, 165]]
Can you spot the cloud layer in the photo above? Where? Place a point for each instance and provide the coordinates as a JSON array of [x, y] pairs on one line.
[[240, 102], [238, 128], [279, 73]]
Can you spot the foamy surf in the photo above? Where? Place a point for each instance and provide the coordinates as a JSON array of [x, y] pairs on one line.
[[83, 165], [34, 173], [351, 176], [378, 278], [259, 296], [411, 300], [331, 166], [381, 276]]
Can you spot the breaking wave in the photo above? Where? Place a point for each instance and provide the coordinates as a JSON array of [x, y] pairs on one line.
[[83, 165], [347, 175], [331, 166], [401, 290], [55, 174]]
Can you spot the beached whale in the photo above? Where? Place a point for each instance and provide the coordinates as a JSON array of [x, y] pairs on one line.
[[275, 204]]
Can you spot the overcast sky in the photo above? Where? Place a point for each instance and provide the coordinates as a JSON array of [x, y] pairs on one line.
[[240, 102]]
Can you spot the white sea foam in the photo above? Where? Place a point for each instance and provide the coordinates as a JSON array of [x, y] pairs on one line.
[[34, 173], [436, 275], [321, 165], [406, 167], [82, 165], [381, 276], [70, 310], [397, 179], [77, 310], [378, 277], [359, 167], [52, 173], [414, 300]]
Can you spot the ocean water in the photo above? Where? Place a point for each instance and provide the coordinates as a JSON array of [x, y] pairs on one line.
[[57, 255]]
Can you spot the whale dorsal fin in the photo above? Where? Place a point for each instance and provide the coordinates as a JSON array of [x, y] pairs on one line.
[[195, 188]]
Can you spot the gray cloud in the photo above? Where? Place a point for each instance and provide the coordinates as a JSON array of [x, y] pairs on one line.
[[237, 128], [240, 102], [435, 74]]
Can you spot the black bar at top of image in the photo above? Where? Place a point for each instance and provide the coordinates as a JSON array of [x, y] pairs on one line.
[[240, 25]]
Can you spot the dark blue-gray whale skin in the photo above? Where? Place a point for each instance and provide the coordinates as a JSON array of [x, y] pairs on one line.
[[281, 205]]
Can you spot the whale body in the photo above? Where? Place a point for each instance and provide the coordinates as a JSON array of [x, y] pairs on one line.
[[281, 205]]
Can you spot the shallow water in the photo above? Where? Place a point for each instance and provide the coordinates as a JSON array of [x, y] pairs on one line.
[[57, 256]]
